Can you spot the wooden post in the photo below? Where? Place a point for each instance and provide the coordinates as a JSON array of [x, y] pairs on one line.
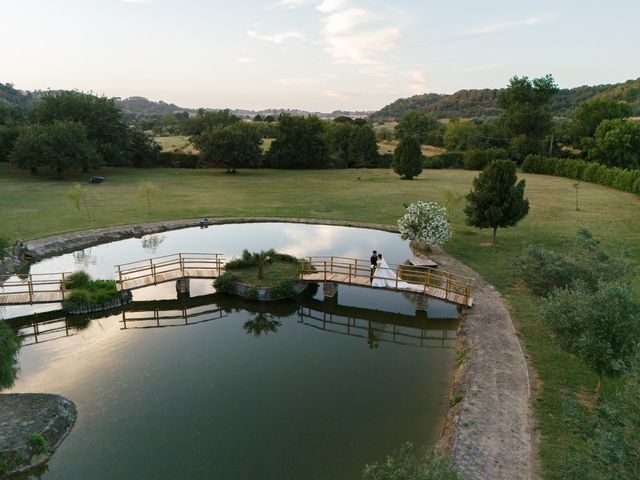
[[120, 276], [325, 271], [63, 286], [349, 274], [153, 271], [181, 261], [397, 277], [426, 282], [331, 263], [30, 288]]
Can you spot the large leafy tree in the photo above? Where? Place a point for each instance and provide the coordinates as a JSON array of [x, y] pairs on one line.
[[205, 120], [527, 118], [497, 198], [60, 146], [363, 147], [102, 119], [593, 112], [235, 146], [300, 143], [143, 149], [416, 124], [617, 144], [407, 158]]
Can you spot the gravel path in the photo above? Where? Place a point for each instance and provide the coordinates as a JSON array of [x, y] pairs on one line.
[[492, 437]]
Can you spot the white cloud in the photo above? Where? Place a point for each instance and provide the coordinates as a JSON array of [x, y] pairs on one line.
[[500, 26], [277, 37], [244, 60], [291, 4], [136, 1], [299, 81], [354, 35]]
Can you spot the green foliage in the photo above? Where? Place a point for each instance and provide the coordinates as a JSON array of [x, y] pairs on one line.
[[37, 443], [234, 146], [148, 190], [582, 261], [602, 327], [204, 120], [416, 124], [85, 291], [4, 246], [407, 158], [617, 144], [225, 283], [527, 117], [260, 325], [479, 159], [405, 465], [592, 112], [285, 289], [496, 200], [143, 150], [626, 180], [444, 160], [300, 143], [60, 146], [78, 196], [102, 119], [9, 347], [362, 148]]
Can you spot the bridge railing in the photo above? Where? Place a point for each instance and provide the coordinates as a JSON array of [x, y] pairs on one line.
[[353, 268], [179, 262], [35, 283]]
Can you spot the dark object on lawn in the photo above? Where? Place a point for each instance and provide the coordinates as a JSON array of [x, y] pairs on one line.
[[204, 223], [96, 179]]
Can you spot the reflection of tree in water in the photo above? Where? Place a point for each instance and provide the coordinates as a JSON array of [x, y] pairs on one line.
[[83, 258], [150, 243], [9, 347], [261, 324]]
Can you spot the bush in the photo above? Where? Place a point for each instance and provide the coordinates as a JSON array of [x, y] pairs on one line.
[[285, 289], [37, 443], [382, 161], [444, 160], [226, 283], [85, 291], [614, 177], [77, 280], [582, 261], [478, 159]]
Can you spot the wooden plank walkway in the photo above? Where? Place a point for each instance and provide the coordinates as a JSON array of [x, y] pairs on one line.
[[173, 275], [435, 292], [28, 299]]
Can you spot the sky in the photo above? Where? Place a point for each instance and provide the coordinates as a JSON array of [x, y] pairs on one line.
[[318, 55]]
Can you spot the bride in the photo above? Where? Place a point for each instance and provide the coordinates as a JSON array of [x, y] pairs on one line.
[[385, 277]]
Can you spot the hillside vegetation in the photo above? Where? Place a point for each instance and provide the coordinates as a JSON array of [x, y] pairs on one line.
[[479, 103]]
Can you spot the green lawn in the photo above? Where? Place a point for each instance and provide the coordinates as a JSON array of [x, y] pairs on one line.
[[36, 206]]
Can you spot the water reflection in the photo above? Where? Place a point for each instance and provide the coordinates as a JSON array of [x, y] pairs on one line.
[[9, 348], [150, 243], [261, 324]]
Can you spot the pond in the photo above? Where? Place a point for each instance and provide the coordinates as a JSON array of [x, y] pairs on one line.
[[218, 387]]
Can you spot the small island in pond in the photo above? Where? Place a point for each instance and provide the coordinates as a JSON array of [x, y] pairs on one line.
[[266, 275]]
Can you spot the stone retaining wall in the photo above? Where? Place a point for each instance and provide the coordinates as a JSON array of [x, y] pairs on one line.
[[23, 414]]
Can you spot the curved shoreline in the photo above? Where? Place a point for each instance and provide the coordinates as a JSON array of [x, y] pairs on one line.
[[492, 424]]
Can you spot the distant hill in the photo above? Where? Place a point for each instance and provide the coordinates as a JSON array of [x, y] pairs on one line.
[[144, 106], [478, 103], [12, 96]]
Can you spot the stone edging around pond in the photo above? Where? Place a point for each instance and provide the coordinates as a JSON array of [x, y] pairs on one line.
[[491, 436], [23, 414], [263, 293], [122, 299]]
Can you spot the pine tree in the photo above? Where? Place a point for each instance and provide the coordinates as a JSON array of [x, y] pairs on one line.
[[496, 200], [407, 159]]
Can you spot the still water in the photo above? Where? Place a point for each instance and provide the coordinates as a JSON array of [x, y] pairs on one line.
[[220, 388]]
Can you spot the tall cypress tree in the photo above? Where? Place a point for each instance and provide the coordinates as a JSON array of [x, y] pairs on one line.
[[407, 159], [496, 200]]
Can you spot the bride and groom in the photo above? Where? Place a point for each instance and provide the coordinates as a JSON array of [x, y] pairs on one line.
[[383, 276]]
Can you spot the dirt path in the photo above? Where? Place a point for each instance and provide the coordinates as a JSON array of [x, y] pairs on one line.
[[492, 437]]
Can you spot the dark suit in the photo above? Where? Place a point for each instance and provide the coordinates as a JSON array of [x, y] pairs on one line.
[[374, 264]]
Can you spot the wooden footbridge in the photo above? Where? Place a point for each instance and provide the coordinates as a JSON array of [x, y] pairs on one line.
[[329, 270]]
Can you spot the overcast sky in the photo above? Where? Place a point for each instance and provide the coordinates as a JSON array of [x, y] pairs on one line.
[[311, 54]]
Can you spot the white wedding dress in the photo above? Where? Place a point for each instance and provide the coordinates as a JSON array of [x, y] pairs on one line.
[[385, 277]]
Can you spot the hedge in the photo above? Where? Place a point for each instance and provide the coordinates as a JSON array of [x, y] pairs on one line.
[[614, 177], [478, 159], [444, 160]]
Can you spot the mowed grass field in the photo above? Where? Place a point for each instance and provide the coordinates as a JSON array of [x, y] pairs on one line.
[[176, 143], [32, 207]]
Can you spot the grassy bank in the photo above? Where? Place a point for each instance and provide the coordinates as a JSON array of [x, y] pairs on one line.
[[36, 206]]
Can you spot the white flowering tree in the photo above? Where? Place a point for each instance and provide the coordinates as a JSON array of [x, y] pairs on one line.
[[425, 222]]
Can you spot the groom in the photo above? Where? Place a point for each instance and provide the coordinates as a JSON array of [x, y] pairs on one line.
[[374, 264]]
